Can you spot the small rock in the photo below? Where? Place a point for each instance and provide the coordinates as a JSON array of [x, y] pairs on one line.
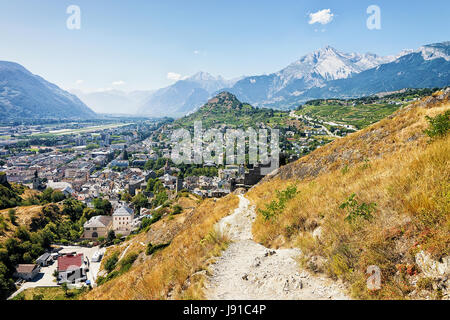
[[432, 268], [317, 233], [257, 262]]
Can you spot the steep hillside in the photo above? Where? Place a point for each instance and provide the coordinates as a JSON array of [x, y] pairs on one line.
[[397, 219], [24, 95], [377, 197], [187, 245]]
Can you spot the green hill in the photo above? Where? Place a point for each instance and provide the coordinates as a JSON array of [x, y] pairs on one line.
[[226, 109]]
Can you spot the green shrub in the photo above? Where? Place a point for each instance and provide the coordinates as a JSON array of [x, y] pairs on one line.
[[177, 209], [151, 249], [147, 222], [127, 262], [12, 216], [111, 263], [356, 210], [276, 207], [439, 125]]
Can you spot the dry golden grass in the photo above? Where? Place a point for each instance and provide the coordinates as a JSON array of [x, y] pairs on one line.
[[24, 216], [163, 231], [392, 164], [48, 294], [174, 272]]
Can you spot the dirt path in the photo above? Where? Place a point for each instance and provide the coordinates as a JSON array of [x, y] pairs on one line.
[[250, 271]]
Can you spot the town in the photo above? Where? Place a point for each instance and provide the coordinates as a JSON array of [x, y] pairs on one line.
[[122, 174]]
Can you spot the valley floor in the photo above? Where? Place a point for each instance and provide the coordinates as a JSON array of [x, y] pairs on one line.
[[250, 271]]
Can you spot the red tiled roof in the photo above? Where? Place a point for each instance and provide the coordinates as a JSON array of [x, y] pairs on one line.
[[65, 262]]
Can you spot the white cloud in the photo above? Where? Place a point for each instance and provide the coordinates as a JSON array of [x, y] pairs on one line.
[[174, 76], [103, 90], [323, 17], [252, 80], [118, 83], [196, 52], [78, 82]]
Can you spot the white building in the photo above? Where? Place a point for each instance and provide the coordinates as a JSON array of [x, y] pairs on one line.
[[123, 220]]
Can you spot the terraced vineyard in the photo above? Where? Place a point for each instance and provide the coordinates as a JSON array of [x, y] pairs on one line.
[[360, 116]]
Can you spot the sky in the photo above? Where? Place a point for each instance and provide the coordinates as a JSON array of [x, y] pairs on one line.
[[149, 44]]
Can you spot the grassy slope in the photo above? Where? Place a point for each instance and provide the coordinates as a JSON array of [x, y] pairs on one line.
[[169, 273], [48, 293], [24, 216], [360, 115], [391, 164]]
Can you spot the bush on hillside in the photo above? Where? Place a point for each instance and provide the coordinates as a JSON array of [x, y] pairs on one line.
[[276, 207], [356, 210], [439, 125], [111, 263]]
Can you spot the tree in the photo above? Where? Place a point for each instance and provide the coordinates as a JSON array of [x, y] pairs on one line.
[[57, 196], [140, 201], [154, 185], [12, 216], [6, 283], [126, 197], [65, 288], [102, 206], [73, 209], [111, 263], [111, 236], [160, 199], [177, 209], [46, 196], [22, 233]]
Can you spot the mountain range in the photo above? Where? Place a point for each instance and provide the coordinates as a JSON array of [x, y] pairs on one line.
[[24, 95], [184, 96], [325, 73]]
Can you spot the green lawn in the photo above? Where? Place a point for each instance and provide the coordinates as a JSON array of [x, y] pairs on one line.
[[48, 293]]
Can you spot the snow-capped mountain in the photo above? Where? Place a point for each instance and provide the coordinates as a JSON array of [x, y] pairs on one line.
[[24, 95], [320, 73], [326, 72], [435, 51], [183, 96], [312, 70], [329, 64], [426, 67]]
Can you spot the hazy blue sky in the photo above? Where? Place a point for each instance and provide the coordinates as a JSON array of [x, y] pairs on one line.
[[135, 43]]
